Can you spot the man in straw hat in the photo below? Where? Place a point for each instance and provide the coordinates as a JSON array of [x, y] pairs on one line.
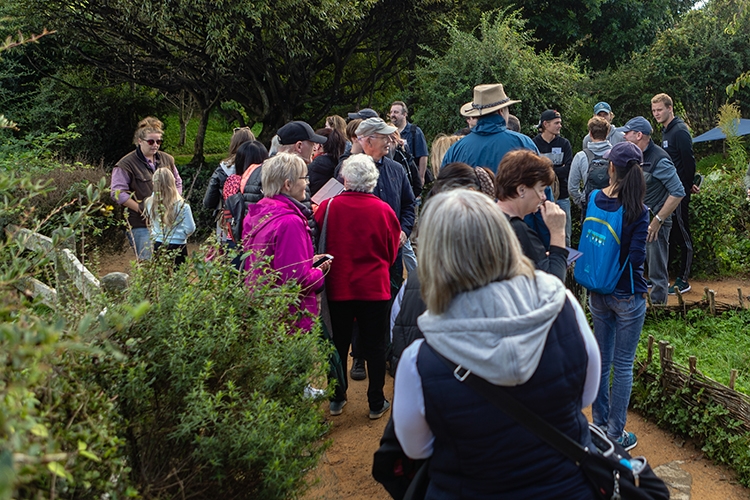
[[490, 139]]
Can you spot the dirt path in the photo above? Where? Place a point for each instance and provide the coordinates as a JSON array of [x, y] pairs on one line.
[[344, 470]]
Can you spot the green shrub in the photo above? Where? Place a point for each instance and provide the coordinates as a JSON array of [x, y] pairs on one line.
[[59, 432], [212, 388]]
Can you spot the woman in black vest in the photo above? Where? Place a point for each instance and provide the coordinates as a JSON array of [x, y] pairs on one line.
[[489, 311]]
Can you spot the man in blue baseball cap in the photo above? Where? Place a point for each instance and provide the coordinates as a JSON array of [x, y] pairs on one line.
[[664, 191], [604, 110]]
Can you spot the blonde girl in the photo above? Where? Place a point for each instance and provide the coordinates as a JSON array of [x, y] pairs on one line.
[[171, 219]]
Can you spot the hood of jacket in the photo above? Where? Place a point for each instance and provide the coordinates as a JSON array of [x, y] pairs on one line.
[[498, 331], [489, 125], [228, 169], [599, 148], [266, 210]]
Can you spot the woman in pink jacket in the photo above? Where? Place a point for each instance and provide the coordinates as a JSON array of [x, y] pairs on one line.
[[276, 227]]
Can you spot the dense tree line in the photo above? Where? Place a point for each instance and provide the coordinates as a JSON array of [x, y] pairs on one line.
[[111, 61]]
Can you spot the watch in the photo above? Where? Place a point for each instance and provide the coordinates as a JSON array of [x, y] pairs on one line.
[[661, 221]]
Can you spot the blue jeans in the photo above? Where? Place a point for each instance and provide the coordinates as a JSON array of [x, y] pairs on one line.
[[565, 205], [618, 321], [410, 258], [140, 240]]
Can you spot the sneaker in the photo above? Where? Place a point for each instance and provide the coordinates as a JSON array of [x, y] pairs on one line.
[[682, 286], [649, 284], [374, 415], [336, 407], [627, 440], [358, 370]]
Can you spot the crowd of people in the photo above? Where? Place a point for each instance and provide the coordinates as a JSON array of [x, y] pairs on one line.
[[476, 278]]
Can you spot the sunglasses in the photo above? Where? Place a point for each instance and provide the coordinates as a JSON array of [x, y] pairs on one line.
[[151, 142], [237, 129]]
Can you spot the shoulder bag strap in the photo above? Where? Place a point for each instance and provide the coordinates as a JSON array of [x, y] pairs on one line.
[[324, 229], [516, 410]]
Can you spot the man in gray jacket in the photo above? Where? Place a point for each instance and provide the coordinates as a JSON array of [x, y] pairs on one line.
[[582, 161], [615, 135], [664, 191]]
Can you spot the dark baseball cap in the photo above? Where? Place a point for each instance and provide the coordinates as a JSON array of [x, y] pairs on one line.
[[637, 124], [364, 114], [623, 152], [298, 131], [548, 116]]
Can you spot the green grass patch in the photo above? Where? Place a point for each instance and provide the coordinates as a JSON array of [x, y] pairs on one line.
[[218, 135], [720, 343]]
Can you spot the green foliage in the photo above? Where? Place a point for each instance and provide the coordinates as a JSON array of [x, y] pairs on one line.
[[58, 429], [729, 119], [213, 383], [693, 62], [218, 135], [499, 51], [720, 344], [720, 225]]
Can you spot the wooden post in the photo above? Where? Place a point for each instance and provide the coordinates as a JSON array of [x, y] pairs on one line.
[[64, 283], [712, 301], [692, 362], [732, 378], [650, 354], [742, 299], [705, 291], [648, 299], [680, 300]]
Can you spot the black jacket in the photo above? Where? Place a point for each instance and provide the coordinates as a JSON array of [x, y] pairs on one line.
[[405, 329]]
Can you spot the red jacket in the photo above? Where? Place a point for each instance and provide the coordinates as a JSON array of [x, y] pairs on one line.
[[362, 235]]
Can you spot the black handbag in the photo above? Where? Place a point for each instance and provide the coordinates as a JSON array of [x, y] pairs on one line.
[[614, 474], [402, 477]]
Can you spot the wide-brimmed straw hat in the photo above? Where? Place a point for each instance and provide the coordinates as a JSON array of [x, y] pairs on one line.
[[487, 99]]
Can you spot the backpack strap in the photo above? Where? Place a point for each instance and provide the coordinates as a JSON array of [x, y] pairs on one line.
[[590, 156], [246, 175]]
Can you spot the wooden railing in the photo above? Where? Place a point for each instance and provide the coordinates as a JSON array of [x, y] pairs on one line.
[[71, 277]]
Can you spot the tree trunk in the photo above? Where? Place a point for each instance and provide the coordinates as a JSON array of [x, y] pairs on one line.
[[200, 136]]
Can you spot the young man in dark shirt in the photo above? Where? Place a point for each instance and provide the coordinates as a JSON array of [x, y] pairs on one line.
[[558, 149], [678, 143]]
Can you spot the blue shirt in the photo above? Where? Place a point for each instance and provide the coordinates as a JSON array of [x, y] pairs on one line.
[[487, 143], [417, 146]]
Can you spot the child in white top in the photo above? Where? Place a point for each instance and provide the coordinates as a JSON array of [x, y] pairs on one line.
[[170, 217]]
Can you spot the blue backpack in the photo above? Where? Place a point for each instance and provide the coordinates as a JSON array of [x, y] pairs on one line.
[[598, 269]]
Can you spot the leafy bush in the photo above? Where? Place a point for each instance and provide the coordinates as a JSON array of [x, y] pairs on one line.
[[212, 388], [59, 432], [499, 51]]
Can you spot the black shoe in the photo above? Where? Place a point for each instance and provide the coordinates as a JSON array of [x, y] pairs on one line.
[[358, 370]]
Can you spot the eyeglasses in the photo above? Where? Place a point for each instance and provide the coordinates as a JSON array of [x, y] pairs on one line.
[[383, 137], [306, 177], [151, 142]]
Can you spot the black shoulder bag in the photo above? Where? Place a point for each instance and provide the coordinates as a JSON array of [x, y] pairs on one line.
[[614, 474]]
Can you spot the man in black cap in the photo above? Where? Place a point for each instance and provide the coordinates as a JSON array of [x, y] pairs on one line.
[[297, 138], [558, 149]]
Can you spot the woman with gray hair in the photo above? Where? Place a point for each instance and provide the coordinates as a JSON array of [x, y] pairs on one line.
[[362, 234], [276, 227], [489, 311]]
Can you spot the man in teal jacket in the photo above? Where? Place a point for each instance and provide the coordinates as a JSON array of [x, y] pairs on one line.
[[490, 139]]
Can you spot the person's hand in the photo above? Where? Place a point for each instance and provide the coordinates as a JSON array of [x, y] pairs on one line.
[[695, 189], [554, 217], [402, 239], [325, 266], [653, 230]]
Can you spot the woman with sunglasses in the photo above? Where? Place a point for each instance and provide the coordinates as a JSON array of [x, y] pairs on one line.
[[132, 181]]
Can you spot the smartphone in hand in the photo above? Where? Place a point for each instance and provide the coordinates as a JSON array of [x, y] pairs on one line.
[[325, 258]]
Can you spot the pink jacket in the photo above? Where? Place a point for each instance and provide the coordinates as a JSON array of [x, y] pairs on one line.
[[275, 227]]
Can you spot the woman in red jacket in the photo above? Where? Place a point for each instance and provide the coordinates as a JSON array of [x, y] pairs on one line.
[[363, 236]]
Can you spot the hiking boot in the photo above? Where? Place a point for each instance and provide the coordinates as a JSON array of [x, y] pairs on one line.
[[358, 369], [336, 407], [627, 440], [682, 286], [374, 415]]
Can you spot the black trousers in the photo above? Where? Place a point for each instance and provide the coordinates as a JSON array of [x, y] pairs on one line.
[[680, 241], [372, 318]]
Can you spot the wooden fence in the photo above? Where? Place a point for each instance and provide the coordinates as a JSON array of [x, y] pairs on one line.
[[71, 277]]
